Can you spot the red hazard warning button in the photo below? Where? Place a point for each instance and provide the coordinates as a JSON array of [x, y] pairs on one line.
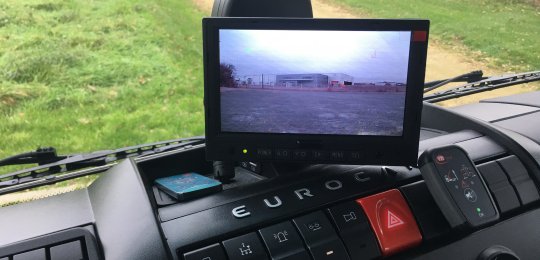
[[392, 220]]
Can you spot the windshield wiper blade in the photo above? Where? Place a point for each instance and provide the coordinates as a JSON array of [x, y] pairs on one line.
[[472, 76], [101, 160], [488, 84], [40, 156]]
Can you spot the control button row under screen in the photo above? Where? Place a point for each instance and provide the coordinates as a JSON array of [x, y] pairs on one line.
[[306, 155]]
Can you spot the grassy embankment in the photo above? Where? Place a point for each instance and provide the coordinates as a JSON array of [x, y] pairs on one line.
[[500, 33], [89, 75]]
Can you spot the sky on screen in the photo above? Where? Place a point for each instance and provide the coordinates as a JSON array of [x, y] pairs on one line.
[[367, 56]]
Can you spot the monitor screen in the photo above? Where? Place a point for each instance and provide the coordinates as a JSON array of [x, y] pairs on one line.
[[314, 90], [313, 81]]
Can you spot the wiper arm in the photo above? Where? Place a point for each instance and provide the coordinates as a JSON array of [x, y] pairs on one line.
[[472, 76], [490, 83], [40, 156], [101, 160]]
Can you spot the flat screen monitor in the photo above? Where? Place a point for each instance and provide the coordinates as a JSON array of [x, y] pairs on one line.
[[314, 90]]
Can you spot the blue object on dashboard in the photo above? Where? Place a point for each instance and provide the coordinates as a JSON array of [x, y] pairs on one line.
[[188, 185]]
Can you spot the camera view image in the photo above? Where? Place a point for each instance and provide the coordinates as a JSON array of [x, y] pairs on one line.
[[313, 82]]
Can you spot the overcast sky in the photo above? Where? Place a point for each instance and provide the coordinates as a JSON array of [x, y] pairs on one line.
[[367, 56]]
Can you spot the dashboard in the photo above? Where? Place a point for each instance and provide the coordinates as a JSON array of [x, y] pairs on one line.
[[300, 211]]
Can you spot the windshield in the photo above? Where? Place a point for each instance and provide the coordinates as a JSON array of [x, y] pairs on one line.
[[91, 75]]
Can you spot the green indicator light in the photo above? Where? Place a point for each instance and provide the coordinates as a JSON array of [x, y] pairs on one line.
[[478, 209], [244, 151]]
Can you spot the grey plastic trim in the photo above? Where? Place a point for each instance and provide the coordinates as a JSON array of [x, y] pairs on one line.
[[125, 221], [45, 216]]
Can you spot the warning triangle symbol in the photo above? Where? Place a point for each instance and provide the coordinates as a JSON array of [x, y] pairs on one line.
[[393, 220]]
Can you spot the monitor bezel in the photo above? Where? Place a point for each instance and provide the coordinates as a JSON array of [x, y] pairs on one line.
[[382, 150]]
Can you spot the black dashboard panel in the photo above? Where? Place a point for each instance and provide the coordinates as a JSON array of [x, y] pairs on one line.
[[493, 112], [526, 125], [41, 217], [521, 234], [129, 220], [116, 206], [518, 113], [526, 99]]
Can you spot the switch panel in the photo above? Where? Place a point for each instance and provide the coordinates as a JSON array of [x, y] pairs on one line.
[[520, 179], [498, 184]]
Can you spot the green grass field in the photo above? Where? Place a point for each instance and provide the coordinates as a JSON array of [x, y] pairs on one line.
[[502, 33], [89, 75]]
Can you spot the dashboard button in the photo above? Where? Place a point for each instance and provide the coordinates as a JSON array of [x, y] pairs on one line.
[[213, 252], [315, 228], [301, 154], [355, 156], [498, 184], [318, 155], [283, 242], [337, 155], [38, 254], [320, 237], [67, 251], [246, 247], [264, 153], [430, 219], [354, 229], [519, 177], [283, 154], [392, 221]]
